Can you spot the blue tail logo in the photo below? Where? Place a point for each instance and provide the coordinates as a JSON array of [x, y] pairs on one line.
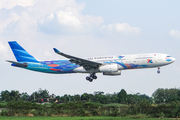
[[20, 53]]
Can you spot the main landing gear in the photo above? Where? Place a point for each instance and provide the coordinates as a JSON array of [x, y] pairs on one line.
[[91, 77], [158, 70]]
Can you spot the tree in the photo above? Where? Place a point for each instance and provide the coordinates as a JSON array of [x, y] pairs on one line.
[[40, 94], [158, 95], [166, 95], [77, 98], [100, 98], [24, 96], [5, 95], [85, 96], [114, 98], [122, 95], [65, 98], [91, 98], [44, 93], [58, 98], [10, 96]]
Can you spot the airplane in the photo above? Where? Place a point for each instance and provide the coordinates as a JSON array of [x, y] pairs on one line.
[[108, 65]]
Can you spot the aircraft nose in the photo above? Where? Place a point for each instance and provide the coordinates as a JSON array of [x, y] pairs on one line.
[[173, 59]]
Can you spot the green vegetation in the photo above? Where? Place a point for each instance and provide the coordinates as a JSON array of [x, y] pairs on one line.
[[164, 103], [64, 118], [69, 109], [98, 97], [74, 118]]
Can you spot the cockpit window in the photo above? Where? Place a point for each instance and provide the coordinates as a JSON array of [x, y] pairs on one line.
[[168, 56]]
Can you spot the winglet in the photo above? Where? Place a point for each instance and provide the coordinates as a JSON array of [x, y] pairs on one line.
[[56, 50]]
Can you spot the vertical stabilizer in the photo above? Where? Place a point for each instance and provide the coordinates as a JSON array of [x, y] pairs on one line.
[[20, 53]]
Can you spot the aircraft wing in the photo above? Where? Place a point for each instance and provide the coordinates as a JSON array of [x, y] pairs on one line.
[[82, 62]]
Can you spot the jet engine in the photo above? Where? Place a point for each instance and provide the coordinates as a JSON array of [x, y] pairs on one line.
[[109, 68], [112, 73]]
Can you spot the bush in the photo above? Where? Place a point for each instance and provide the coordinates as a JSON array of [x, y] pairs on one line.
[[80, 112], [3, 105], [139, 116], [4, 113]]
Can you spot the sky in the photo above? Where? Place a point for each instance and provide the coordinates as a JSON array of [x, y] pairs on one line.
[[90, 28]]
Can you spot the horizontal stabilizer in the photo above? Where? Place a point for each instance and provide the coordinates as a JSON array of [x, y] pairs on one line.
[[18, 64]]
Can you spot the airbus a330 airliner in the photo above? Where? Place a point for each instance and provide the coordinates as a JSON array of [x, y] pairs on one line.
[[108, 65]]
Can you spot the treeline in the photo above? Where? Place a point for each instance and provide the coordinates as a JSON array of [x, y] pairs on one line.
[[159, 96], [163, 103], [98, 97], [166, 95]]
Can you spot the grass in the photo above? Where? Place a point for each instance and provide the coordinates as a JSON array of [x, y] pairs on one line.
[[73, 118]]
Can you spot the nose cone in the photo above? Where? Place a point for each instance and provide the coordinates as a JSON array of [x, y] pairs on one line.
[[173, 59]]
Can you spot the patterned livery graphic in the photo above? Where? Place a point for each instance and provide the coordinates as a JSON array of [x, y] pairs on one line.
[[128, 66], [149, 61], [60, 66], [168, 58], [120, 57], [21, 54]]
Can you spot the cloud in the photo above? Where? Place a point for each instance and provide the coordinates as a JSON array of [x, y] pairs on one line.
[[68, 21], [40, 22], [23, 16], [3, 49], [175, 33], [9, 4], [11, 17], [67, 18], [122, 28], [59, 17]]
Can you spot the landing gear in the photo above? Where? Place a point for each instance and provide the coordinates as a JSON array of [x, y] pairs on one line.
[[94, 77], [91, 77], [88, 78], [158, 70]]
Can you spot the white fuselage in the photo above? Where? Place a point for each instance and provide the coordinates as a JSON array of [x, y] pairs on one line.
[[123, 62]]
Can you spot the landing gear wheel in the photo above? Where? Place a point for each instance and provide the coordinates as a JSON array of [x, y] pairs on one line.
[[94, 77], [88, 78], [91, 79], [158, 70]]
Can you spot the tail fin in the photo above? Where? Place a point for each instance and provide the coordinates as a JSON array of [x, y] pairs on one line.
[[20, 53]]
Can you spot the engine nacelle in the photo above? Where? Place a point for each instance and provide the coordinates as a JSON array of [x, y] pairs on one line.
[[109, 68], [112, 73]]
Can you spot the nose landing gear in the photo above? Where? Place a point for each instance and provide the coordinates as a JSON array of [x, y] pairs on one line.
[[158, 70], [91, 77]]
